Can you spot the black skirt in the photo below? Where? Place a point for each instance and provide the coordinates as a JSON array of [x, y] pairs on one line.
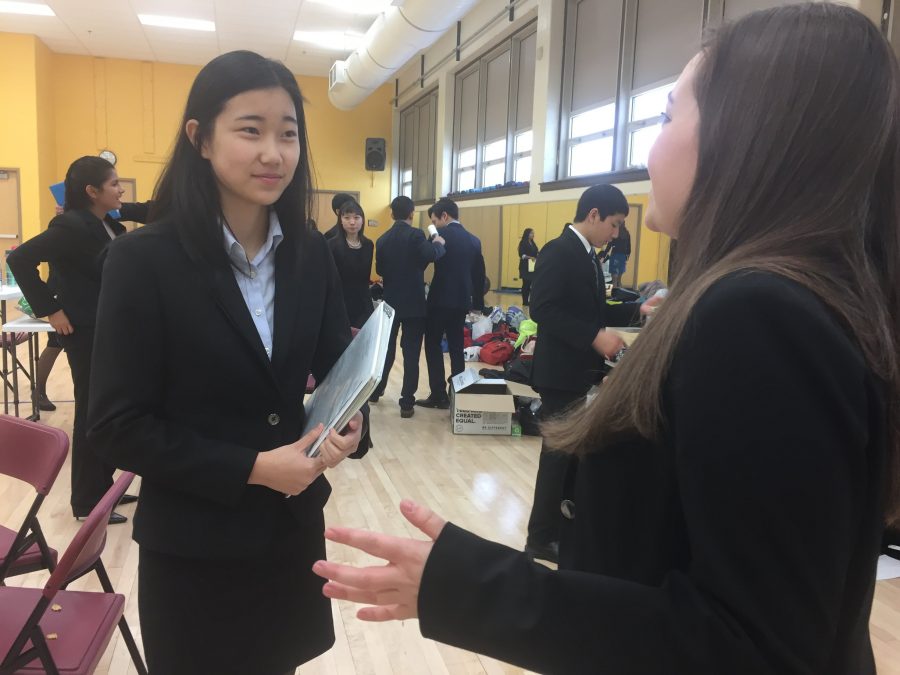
[[264, 615]]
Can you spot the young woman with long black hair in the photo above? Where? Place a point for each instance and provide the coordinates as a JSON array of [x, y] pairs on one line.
[[210, 320], [353, 252]]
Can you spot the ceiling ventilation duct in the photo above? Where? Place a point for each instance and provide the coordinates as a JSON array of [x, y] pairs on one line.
[[396, 36]]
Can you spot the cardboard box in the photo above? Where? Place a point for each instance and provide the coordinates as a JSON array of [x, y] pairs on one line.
[[483, 406]]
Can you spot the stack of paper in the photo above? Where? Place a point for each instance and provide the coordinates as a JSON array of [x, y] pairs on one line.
[[353, 378]]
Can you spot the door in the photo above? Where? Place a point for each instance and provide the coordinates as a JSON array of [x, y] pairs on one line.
[[10, 209]]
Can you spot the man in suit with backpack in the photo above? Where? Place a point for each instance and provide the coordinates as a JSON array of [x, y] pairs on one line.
[[401, 256], [457, 287], [568, 302]]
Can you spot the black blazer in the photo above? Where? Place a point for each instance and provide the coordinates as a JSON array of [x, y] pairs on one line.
[[73, 244], [401, 256], [530, 249], [354, 268], [569, 309], [458, 281], [745, 542], [183, 393]]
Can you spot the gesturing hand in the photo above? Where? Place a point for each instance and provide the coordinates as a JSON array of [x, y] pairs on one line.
[[393, 588]]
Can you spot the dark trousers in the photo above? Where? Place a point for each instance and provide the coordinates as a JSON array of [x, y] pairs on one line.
[[546, 519], [411, 346], [443, 321], [262, 615], [526, 290], [91, 476]]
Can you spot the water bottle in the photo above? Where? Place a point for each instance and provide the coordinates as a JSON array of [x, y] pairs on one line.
[[10, 279]]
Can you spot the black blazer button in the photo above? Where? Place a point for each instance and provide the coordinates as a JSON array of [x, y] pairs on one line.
[[568, 509], [274, 419]]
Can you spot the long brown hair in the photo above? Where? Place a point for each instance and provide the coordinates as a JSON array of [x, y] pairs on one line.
[[797, 175]]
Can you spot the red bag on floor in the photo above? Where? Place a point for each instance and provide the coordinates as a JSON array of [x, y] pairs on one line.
[[496, 353]]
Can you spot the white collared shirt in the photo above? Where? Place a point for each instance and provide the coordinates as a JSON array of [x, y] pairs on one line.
[[587, 244], [256, 281]]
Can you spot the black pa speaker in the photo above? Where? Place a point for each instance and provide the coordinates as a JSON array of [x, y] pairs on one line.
[[375, 156]]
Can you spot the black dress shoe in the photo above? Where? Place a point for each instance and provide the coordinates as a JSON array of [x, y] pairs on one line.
[[548, 552], [114, 518], [128, 499], [374, 397], [44, 403], [439, 403], [406, 413]]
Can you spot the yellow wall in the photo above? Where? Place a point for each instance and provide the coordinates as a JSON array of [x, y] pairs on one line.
[[67, 106], [19, 123]]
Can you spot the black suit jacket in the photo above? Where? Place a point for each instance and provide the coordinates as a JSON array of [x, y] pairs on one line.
[[183, 393], [73, 244], [570, 308], [745, 542], [401, 256], [458, 281]]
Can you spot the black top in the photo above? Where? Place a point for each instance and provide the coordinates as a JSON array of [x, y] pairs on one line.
[[355, 269], [401, 256], [570, 307], [73, 244], [186, 396], [530, 249], [744, 543]]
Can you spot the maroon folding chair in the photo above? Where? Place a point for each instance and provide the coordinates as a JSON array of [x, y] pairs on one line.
[[55, 631], [33, 453]]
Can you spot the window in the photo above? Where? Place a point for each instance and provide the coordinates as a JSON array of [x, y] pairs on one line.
[[622, 58], [492, 116], [418, 135], [645, 123]]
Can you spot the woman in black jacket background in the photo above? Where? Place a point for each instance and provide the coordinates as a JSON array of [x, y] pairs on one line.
[[353, 253], [528, 253]]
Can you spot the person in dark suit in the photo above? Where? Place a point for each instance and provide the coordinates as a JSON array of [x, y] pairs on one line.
[[528, 253], [736, 470], [132, 211], [457, 287], [210, 320], [569, 306], [73, 245], [401, 256], [353, 252], [336, 203]]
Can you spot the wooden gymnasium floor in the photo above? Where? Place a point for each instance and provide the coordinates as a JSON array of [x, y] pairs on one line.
[[482, 483]]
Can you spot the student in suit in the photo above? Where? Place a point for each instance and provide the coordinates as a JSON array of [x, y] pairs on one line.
[[737, 468], [457, 287], [401, 256], [74, 244], [528, 253], [569, 306], [210, 320], [132, 211], [353, 252]]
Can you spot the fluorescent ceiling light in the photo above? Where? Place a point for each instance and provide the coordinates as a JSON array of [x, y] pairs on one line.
[[176, 22], [25, 8], [326, 39], [357, 6]]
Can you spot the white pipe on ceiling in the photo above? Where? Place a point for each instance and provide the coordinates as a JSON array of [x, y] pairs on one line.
[[394, 38]]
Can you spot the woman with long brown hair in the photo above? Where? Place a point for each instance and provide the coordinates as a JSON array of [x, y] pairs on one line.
[[735, 473]]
